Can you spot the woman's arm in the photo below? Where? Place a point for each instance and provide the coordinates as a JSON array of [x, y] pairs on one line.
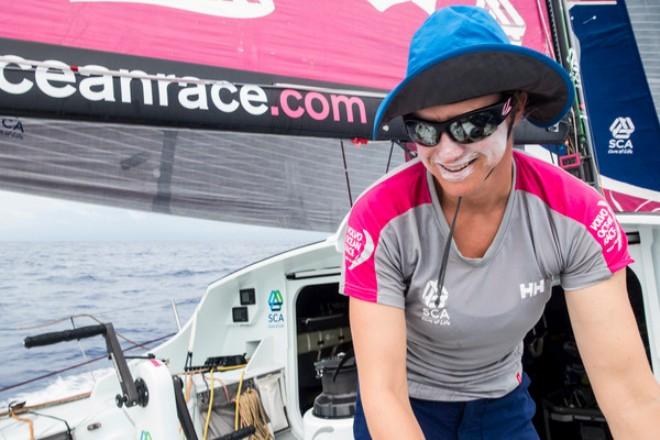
[[614, 356], [379, 341]]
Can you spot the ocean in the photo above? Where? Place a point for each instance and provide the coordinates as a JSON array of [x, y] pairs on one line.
[[131, 284]]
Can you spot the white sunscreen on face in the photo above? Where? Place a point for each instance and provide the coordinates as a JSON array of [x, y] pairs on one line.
[[460, 169], [492, 149], [495, 146]]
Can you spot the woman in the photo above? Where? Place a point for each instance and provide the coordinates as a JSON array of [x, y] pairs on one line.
[[450, 259]]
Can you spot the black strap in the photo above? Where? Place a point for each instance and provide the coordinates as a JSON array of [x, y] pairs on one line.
[[182, 410], [445, 254]]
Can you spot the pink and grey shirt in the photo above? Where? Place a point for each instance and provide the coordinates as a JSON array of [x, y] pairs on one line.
[[467, 344]]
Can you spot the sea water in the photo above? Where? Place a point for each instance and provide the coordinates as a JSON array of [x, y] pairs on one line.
[[131, 284]]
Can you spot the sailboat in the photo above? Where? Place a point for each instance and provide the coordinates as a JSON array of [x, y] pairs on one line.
[[224, 110]]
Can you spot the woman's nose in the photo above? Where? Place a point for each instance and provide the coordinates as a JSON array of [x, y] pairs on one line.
[[447, 149]]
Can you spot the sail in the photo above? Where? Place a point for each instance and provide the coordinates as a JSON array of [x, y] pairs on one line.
[[270, 66], [183, 107], [620, 104], [270, 180]]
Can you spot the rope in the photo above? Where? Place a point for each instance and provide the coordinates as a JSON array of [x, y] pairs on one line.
[[253, 414], [546, 32], [22, 420], [208, 413], [29, 408], [68, 428], [189, 378], [238, 399], [82, 350], [225, 389]]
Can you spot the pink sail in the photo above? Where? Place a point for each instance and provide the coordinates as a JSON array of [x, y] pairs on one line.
[[356, 42]]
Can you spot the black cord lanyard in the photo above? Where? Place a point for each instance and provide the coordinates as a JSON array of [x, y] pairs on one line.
[[445, 254]]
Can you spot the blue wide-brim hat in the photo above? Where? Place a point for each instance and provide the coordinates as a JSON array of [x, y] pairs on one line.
[[459, 53]]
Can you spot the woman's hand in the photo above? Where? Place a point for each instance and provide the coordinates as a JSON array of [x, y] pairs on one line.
[[614, 356], [379, 341]]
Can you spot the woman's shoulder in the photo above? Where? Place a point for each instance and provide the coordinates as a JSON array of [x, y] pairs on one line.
[[559, 190], [575, 206], [392, 195]]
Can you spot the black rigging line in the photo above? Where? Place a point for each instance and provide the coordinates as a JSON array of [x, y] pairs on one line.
[[389, 158], [348, 180]]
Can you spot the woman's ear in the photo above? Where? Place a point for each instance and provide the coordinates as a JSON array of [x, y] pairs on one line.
[[520, 105]]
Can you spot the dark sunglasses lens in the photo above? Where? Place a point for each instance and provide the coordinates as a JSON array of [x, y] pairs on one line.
[[422, 133], [474, 128]]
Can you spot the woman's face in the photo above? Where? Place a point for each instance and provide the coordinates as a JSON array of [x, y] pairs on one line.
[[461, 169]]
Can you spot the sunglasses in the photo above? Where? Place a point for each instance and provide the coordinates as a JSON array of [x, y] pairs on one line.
[[465, 129]]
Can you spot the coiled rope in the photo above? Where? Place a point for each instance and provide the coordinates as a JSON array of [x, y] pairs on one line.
[[252, 413]]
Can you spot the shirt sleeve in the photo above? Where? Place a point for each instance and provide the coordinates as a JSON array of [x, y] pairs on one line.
[[597, 249], [371, 269]]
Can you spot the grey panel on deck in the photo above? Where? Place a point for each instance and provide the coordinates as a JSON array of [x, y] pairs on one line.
[[268, 180], [645, 20]]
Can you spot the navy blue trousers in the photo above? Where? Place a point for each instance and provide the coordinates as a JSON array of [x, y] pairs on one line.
[[506, 418]]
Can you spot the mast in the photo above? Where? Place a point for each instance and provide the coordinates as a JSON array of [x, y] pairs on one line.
[[567, 50]]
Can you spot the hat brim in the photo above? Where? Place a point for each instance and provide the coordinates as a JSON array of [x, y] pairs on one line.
[[478, 71]]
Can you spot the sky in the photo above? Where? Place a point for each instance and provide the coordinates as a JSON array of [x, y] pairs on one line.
[[32, 218]]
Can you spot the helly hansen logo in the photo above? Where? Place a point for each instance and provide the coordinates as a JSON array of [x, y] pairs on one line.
[[532, 289]]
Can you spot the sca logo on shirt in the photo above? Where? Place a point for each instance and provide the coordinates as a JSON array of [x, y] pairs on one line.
[[435, 308]]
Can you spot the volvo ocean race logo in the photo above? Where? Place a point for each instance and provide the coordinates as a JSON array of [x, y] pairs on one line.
[[358, 247], [606, 228], [622, 128], [220, 8], [435, 308]]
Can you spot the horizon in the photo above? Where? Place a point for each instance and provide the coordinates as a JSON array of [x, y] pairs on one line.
[[30, 218]]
